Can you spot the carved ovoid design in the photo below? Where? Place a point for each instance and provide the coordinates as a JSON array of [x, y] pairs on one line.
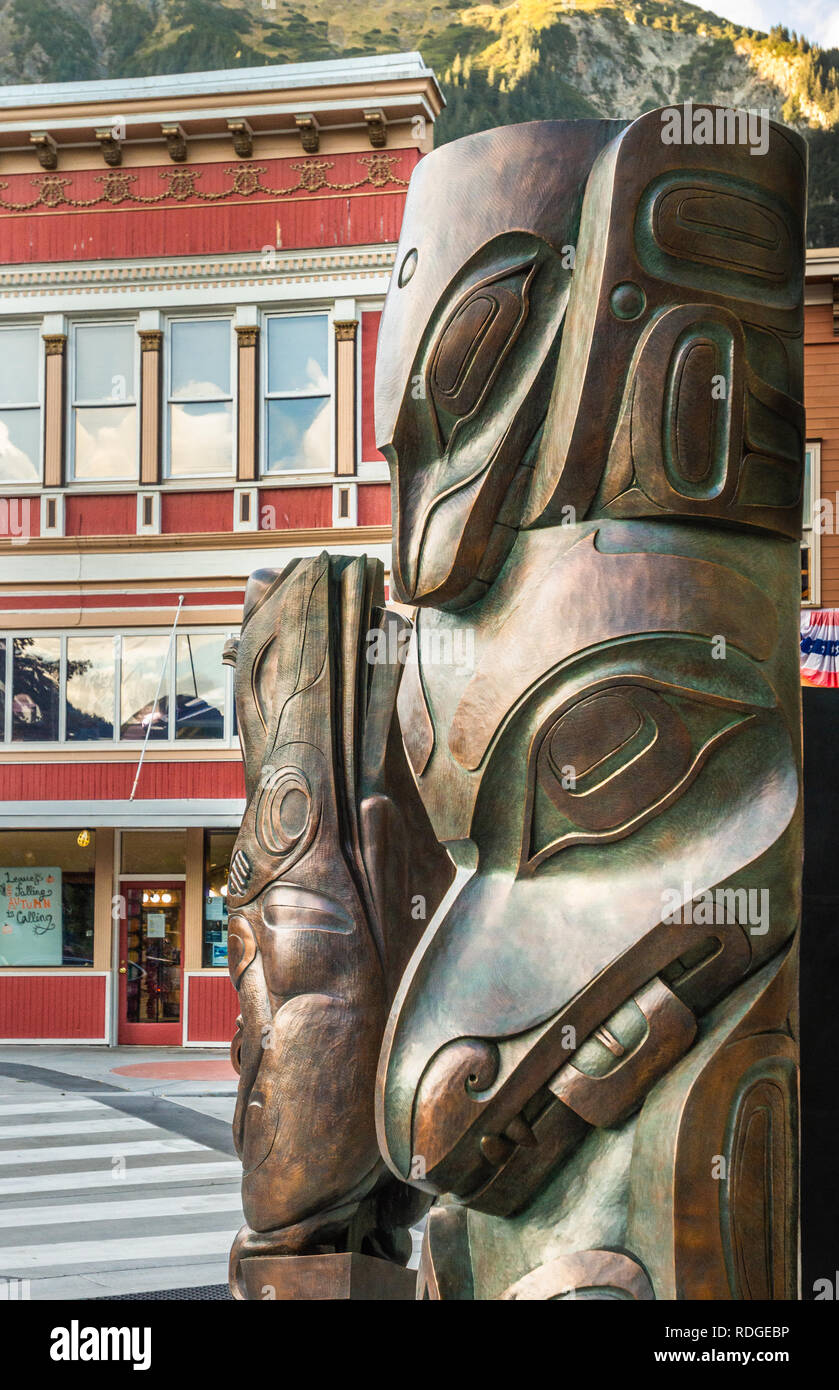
[[587, 1061]]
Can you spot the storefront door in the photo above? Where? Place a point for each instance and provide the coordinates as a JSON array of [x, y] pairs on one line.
[[151, 963]]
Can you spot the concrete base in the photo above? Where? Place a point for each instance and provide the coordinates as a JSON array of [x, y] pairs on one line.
[[336, 1277]]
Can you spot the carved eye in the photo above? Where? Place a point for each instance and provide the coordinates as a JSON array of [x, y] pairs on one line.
[[285, 812], [241, 947], [617, 757], [473, 343], [407, 268]]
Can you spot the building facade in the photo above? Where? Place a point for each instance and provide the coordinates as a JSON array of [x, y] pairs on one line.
[[192, 270]]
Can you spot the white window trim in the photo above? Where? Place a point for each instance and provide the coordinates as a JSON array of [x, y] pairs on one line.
[[276, 475], [87, 746], [11, 485], [167, 400], [94, 484], [808, 524]]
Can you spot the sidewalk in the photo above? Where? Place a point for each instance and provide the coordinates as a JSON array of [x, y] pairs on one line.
[[201, 1079]]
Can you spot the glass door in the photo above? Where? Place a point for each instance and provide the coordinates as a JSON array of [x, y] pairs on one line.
[[151, 964]]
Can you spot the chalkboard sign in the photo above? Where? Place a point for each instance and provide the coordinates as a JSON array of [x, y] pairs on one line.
[[30, 917]]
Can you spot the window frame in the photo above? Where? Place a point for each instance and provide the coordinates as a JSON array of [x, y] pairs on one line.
[[115, 321], [810, 534], [229, 739], [296, 474], [9, 485], [167, 399]]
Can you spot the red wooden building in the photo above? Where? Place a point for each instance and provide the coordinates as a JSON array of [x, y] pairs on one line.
[[191, 274]]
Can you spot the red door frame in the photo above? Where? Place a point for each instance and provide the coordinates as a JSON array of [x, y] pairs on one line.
[[147, 1034]]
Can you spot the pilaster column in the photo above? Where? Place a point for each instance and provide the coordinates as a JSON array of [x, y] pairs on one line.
[[55, 347], [151, 355], [247, 426], [345, 396]]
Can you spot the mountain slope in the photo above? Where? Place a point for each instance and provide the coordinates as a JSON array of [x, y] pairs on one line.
[[497, 63]]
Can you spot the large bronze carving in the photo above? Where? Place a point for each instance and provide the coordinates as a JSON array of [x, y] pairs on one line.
[[583, 1013]]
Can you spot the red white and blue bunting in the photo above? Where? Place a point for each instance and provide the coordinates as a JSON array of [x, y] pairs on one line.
[[820, 646]]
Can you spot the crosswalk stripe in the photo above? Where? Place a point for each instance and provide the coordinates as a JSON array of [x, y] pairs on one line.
[[97, 1220], [137, 1208], [50, 1107], [118, 1149], [29, 1257], [34, 1132], [76, 1181]]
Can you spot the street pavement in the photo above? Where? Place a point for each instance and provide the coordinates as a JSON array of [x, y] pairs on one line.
[[117, 1171], [118, 1174]]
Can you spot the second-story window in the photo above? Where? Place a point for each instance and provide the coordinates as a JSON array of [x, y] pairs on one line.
[[20, 413], [298, 400], [115, 687], [200, 397], [104, 401]]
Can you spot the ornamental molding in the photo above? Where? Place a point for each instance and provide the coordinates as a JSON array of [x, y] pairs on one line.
[[151, 339], [345, 330], [54, 344], [248, 335], [266, 267], [183, 184]]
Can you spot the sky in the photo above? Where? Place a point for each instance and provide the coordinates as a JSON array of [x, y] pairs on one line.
[[817, 20]]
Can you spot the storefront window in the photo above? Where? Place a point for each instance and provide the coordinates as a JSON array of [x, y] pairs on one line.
[[46, 898], [218, 847]]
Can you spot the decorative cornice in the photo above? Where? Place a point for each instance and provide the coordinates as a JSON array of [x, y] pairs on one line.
[[182, 184], [211, 540], [309, 133], [175, 142], [345, 330], [54, 344], [151, 340], [376, 128], [242, 137], [248, 335], [45, 148], [289, 267]]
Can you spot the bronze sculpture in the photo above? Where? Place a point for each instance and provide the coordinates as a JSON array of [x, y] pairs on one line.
[[589, 389]]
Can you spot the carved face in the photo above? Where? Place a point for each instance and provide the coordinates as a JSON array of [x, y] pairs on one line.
[[603, 754], [468, 344]]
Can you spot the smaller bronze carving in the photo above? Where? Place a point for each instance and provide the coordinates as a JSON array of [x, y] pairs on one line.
[[334, 856]]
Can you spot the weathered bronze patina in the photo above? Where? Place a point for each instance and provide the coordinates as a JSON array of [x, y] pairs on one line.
[[589, 390]]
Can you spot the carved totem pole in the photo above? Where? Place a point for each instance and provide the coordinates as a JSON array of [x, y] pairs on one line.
[[517, 935]]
